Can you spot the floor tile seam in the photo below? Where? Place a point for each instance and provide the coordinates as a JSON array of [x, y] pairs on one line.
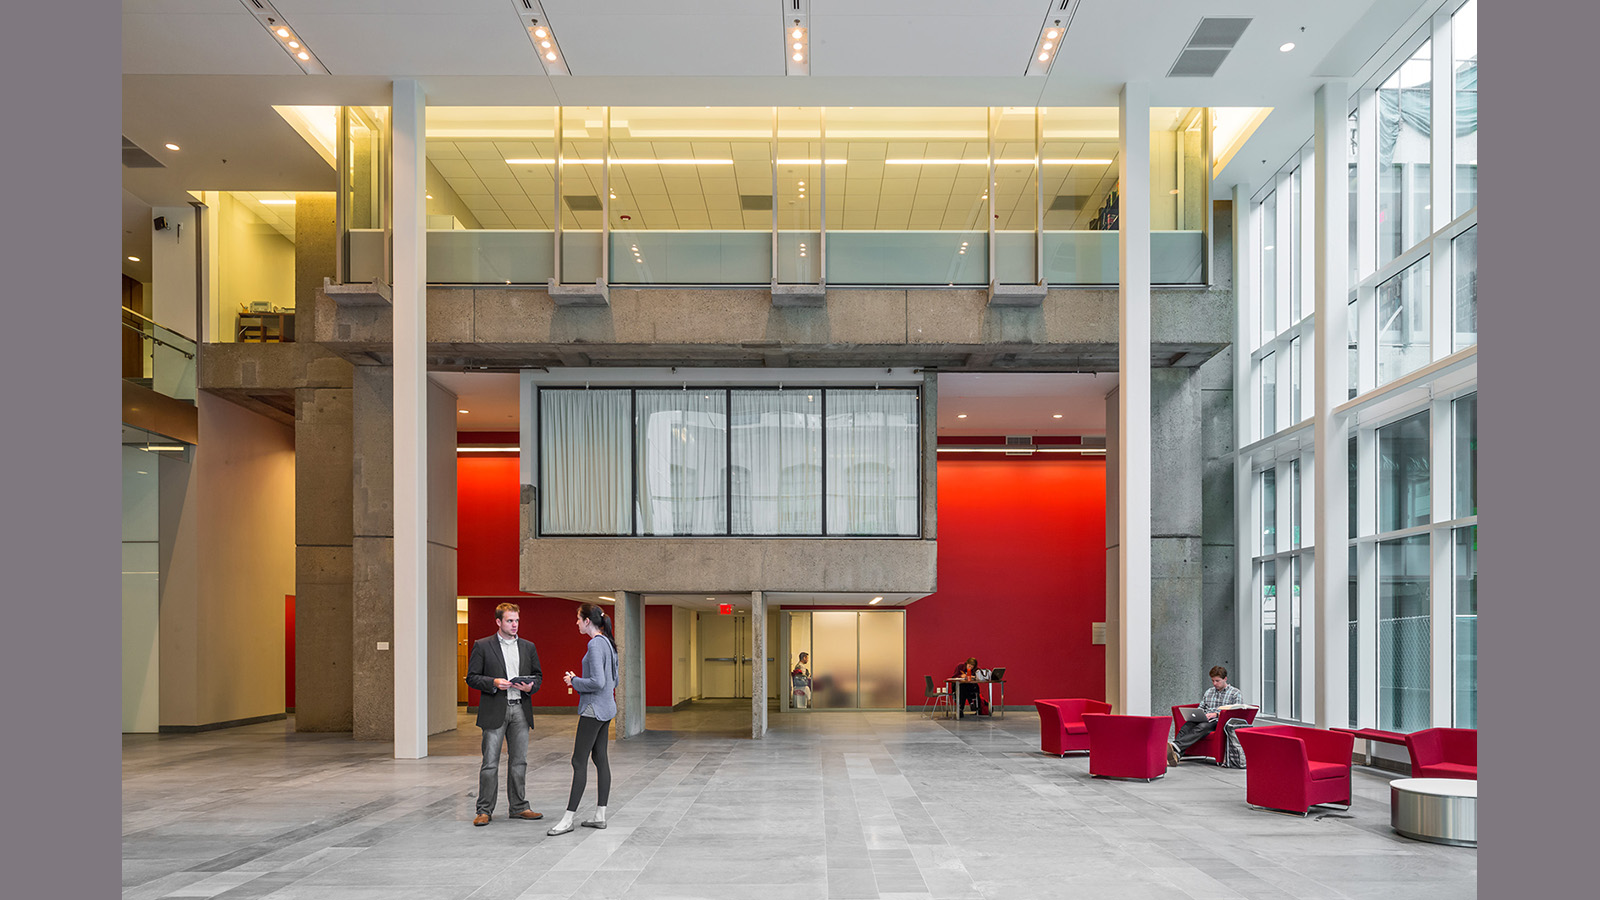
[[290, 837]]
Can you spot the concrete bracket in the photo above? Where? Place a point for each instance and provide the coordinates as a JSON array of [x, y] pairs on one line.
[[1017, 294], [597, 294], [799, 294], [374, 294]]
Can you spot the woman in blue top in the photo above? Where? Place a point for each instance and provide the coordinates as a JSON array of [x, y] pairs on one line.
[[597, 706]]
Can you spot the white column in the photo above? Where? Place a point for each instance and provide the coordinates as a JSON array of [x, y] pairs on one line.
[[1246, 260], [410, 424], [1133, 399], [1330, 592]]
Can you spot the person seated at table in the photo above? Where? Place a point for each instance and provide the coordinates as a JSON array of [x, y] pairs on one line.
[[968, 673], [1220, 695]]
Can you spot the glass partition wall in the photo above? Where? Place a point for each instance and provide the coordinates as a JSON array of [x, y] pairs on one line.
[[857, 657], [754, 196]]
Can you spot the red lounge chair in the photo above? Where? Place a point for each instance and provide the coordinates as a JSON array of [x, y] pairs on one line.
[[1213, 746], [1127, 746], [1061, 728], [1292, 768], [1444, 753]]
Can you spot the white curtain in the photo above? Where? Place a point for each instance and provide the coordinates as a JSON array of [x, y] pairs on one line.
[[872, 470], [777, 462], [683, 461], [585, 480]]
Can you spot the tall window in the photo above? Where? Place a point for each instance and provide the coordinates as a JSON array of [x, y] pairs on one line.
[[1403, 482], [1405, 105], [718, 461], [1403, 337], [1269, 267], [1269, 394], [1464, 70], [1269, 638], [1404, 642], [1464, 261], [1466, 631]]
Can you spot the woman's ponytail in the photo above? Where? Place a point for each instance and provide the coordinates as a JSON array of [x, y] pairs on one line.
[[596, 614]]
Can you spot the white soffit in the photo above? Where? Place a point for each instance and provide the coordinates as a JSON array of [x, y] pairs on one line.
[[607, 43], [225, 41], [451, 42]]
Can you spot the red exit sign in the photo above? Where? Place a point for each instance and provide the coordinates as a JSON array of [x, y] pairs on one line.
[[724, 609]]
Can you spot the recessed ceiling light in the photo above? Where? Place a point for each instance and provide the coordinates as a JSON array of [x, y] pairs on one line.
[[303, 55], [961, 415], [461, 411], [798, 57], [540, 32], [1286, 47], [797, 30], [1056, 416], [796, 33], [133, 259], [428, 196], [283, 32], [542, 36], [295, 44], [1052, 34], [551, 56], [172, 146], [1044, 57], [875, 600], [545, 44], [278, 201]]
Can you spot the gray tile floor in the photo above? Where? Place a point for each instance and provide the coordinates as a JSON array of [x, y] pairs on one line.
[[829, 805]]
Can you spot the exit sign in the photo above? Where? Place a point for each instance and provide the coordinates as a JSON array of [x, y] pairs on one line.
[[724, 609]]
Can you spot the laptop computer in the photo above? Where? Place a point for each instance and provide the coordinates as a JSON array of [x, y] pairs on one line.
[[998, 674], [1193, 713]]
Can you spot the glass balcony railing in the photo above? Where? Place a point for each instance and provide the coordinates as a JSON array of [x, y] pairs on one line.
[[854, 258], [157, 357]]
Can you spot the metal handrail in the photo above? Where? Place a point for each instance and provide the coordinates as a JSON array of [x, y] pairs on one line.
[[141, 316], [145, 334]]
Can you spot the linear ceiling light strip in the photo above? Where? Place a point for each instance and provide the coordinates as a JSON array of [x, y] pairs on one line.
[[285, 36], [1051, 35], [537, 26], [796, 37]]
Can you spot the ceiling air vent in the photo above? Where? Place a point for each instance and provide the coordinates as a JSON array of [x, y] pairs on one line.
[[1212, 41], [135, 158], [1019, 445], [755, 202], [1068, 202], [583, 202]]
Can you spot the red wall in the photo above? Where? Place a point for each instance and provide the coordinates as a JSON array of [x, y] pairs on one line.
[[551, 623], [1022, 576], [1021, 580]]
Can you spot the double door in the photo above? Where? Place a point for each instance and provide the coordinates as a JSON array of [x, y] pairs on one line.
[[726, 665]]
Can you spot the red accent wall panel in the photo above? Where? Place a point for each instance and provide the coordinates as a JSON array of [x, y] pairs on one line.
[[288, 651], [488, 513], [551, 623], [1021, 578]]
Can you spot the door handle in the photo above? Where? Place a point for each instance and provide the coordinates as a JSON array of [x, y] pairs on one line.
[[720, 659]]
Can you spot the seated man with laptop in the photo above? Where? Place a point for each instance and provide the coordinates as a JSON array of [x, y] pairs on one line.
[[1202, 720]]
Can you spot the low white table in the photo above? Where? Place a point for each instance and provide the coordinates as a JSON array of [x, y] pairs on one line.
[[1440, 810]]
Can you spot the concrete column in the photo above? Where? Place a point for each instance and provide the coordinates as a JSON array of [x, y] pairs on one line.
[[1133, 401], [629, 627], [1218, 585], [372, 628], [758, 664], [323, 439], [409, 172], [1176, 627], [1329, 527]]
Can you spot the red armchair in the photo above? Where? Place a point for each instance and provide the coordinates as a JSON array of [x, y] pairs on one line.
[[1444, 753], [1292, 768], [1127, 746], [1213, 746], [1061, 728]]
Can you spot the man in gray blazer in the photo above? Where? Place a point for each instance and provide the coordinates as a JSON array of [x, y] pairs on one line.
[[505, 670]]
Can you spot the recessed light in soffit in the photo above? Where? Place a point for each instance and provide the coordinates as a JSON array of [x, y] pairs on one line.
[[1057, 19], [1212, 41], [796, 37], [285, 36], [537, 26]]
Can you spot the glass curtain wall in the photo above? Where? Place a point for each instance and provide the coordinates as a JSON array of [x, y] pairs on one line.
[[1079, 150], [1411, 339], [1180, 194], [581, 169], [363, 164], [797, 197]]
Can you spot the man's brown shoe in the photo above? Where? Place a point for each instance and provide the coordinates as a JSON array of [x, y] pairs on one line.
[[528, 814], [482, 819]]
